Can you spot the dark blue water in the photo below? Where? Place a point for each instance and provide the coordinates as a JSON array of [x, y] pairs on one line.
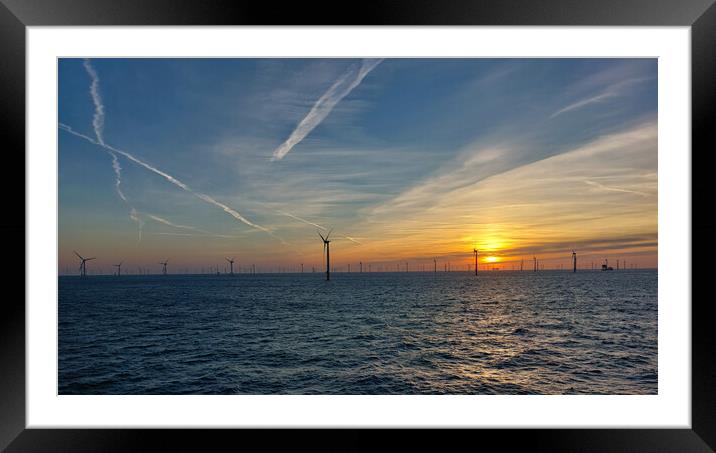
[[381, 333]]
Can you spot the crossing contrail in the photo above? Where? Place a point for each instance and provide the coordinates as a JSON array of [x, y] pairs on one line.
[[173, 180], [325, 104]]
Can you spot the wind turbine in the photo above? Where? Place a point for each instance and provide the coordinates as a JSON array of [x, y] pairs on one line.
[[83, 264], [535, 260], [474, 250], [231, 264], [435, 265], [574, 261], [164, 269], [327, 252], [119, 268]]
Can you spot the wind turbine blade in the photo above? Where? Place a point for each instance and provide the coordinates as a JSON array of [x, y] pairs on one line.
[[329, 233], [319, 233], [80, 256], [90, 259]]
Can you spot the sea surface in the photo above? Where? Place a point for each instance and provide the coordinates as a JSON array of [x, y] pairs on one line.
[[502, 332]]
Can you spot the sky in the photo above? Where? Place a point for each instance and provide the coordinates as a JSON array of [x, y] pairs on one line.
[[406, 160]]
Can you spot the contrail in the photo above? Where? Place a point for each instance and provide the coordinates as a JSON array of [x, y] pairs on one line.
[[185, 227], [287, 214], [325, 104], [223, 236], [303, 220], [134, 215], [173, 180], [98, 126], [171, 224], [615, 189], [98, 118], [118, 180]]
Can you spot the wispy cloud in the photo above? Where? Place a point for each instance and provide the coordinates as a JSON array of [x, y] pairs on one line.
[[325, 104], [174, 181], [611, 91], [578, 197]]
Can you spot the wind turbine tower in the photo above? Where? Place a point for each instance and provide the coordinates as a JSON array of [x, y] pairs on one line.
[[119, 268], [574, 261], [231, 265], [535, 260], [474, 250], [83, 264], [327, 252]]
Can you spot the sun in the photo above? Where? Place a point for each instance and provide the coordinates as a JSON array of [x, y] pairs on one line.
[[492, 259]]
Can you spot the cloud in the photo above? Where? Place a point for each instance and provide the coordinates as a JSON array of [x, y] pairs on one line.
[[611, 91], [541, 205], [171, 224], [325, 104], [98, 126], [174, 181], [134, 215], [118, 180], [295, 217], [98, 118], [614, 189], [164, 221]]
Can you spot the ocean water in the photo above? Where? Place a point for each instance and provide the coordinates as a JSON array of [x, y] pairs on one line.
[[502, 332]]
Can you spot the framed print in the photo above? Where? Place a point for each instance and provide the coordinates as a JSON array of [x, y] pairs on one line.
[[470, 222]]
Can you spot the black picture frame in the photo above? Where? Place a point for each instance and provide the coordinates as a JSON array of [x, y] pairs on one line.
[[16, 15]]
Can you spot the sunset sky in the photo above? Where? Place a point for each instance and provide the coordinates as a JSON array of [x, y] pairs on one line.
[[408, 160]]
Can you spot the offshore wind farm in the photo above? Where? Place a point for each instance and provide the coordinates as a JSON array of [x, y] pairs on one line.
[[357, 226]]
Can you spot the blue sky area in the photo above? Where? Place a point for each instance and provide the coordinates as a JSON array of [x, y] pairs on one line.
[[197, 159]]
